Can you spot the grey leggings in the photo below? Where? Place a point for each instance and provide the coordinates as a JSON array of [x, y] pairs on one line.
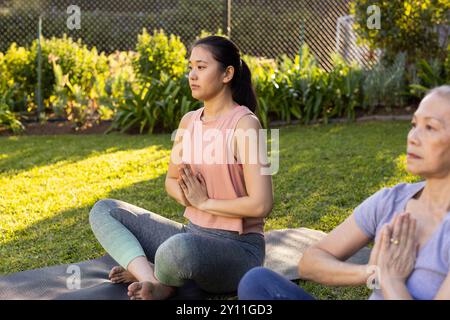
[[215, 259]]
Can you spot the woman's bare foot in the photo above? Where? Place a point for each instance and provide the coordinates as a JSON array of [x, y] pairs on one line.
[[118, 274], [147, 290]]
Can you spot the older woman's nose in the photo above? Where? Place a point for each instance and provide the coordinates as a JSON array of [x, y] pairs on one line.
[[413, 136]]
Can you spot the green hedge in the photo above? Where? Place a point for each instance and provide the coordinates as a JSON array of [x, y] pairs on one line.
[[147, 90]]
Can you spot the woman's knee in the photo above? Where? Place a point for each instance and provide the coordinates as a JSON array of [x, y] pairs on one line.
[[259, 274], [175, 251], [253, 281], [174, 260], [100, 207]]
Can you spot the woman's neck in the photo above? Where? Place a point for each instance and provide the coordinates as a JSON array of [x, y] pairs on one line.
[[218, 105], [436, 196]]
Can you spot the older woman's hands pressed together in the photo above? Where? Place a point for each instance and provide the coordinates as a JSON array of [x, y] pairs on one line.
[[394, 254]]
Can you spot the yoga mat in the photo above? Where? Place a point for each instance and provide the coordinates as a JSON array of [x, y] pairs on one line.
[[88, 280]]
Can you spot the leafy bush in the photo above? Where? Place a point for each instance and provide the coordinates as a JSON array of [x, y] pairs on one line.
[[263, 78], [19, 64], [384, 85], [157, 105], [344, 90], [78, 62], [3, 75], [427, 75], [406, 26], [161, 96], [158, 54], [121, 73], [8, 119], [70, 101], [75, 59], [148, 90], [299, 89]]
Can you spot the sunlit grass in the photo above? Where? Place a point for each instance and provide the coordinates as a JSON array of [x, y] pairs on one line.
[[48, 185]]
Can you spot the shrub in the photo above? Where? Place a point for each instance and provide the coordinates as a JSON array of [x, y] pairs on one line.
[[384, 85], [406, 26], [121, 75], [159, 54], [161, 96], [8, 119], [78, 62], [157, 105], [73, 102], [19, 64], [263, 78], [299, 89], [344, 90], [75, 59], [3, 75], [427, 75]]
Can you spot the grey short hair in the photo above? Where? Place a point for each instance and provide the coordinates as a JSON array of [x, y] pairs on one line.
[[443, 91]]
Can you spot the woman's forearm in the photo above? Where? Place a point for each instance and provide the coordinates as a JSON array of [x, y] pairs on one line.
[[321, 267], [242, 207], [174, 190]]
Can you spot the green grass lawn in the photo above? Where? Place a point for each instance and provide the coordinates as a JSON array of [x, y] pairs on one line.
[[49, 183]]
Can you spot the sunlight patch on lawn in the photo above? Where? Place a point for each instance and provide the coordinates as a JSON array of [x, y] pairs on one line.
[[41, 192]]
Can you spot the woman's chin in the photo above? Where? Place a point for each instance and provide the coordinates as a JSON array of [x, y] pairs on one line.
[[195, 95], [416, 171], [412, 169]]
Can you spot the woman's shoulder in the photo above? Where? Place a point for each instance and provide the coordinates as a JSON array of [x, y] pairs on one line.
[[388, 199], [247, 119], [380, 207], [393, 198], [187, 118], [401, 190]]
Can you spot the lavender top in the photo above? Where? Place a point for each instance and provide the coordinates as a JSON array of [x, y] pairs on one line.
[[433, 259]]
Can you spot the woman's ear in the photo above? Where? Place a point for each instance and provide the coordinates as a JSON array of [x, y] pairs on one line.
[[229, 73]]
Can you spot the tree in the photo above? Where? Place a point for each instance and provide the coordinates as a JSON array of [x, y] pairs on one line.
[[411, 26]]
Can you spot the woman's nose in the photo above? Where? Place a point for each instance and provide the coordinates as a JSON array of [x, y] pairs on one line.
[[192, 74], [413, 136]]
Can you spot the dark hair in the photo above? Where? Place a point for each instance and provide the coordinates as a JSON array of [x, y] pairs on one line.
[[227, 54]]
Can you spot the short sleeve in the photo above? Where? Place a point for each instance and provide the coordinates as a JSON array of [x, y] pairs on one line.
[[368, 214], [446, 240]]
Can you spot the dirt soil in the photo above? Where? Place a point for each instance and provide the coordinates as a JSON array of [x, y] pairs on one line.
[[65, 127], [55, 128]]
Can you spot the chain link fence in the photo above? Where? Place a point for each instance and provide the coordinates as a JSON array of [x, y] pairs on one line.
[[266, 28]]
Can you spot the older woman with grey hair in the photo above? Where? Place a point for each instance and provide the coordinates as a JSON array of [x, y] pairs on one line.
[[410, 224]]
